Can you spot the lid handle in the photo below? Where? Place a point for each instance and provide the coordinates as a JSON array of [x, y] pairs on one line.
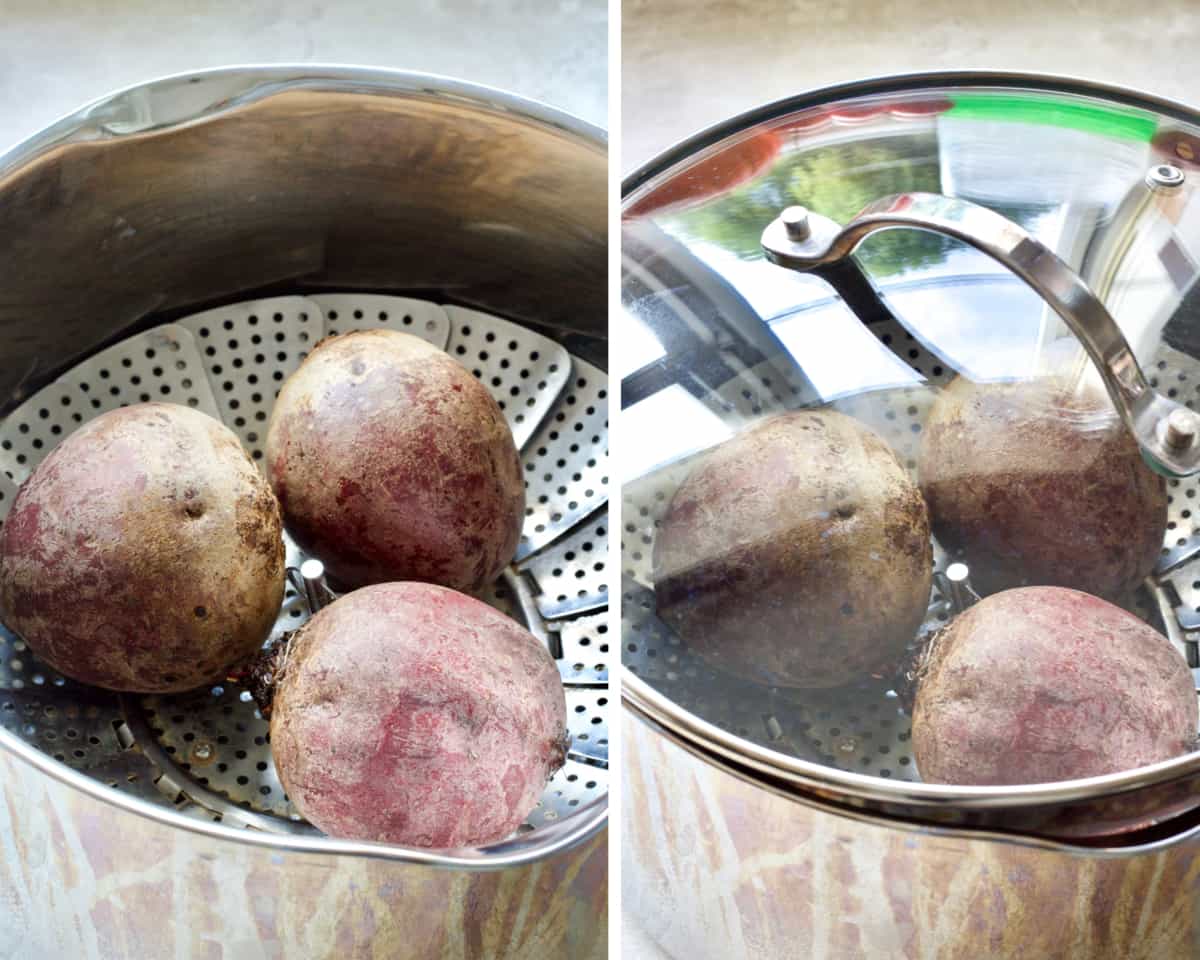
[[1167, 432]]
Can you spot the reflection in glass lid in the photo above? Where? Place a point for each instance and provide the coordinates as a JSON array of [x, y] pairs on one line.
[[919, 506]]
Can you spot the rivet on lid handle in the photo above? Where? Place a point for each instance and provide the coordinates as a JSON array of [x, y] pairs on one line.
[[1180, 428], [795, 221], [1164, 176]]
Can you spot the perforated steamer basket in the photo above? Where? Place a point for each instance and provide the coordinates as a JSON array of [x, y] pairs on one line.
[[189, 241], [955, 224]]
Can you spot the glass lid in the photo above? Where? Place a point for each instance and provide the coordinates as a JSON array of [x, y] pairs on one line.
[[908, 372]]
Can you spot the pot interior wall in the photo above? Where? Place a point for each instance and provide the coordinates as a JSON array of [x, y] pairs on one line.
[[301, 188]]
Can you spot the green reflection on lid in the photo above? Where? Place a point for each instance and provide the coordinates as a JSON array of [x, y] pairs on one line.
[[1055, 112]]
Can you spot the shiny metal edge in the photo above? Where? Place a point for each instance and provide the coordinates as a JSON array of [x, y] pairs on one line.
[[669, 716], [127, 112], [539, 845], [901, 83], [718, 762]]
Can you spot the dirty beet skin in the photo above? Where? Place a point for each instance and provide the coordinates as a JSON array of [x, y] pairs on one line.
[[1037, 483], [409, 713], [145, 553], [391, 462], [1042, 684], [796, 554]]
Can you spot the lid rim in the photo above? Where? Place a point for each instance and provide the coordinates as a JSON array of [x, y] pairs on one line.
[[644, 699], [899, 83], [1099, 846]]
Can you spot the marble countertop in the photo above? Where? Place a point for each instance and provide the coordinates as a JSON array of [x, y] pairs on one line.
[[56, 55]]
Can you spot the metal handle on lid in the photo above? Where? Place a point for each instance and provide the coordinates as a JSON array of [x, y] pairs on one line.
[[1168, 432]]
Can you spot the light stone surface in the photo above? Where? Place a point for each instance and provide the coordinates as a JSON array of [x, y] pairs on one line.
[[56, 55]]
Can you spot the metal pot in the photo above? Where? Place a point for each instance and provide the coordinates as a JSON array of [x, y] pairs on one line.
[[1030, 221], [279, 204]]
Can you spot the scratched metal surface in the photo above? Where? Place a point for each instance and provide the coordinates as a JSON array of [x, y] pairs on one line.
[[122, 886], [754, 876]]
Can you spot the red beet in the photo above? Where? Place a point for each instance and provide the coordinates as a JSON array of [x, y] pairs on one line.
[[392, 462], [1042, 684], [796, 554], [145, 553], [1040, 483], [412, 714]]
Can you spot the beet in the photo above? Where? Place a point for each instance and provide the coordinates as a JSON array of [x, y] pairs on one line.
[[409, 713], [145, 553], [392, 462], [1041, 684], [1039, 483], [796, 554]]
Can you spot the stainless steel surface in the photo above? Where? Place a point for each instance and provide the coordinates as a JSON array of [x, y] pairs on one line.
[[1183, 642], [316, 590], [573, 571], [309, 178], [801, 878], [347, 311], [693, 221], [795, 223], [1165, 176], [577, 434], [585, 660], [89, 878], [955, 583], [1147, 413], [248, 349], [1180, 428]]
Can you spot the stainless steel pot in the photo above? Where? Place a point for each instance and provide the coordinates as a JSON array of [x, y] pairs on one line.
[[143, 237], [1056, 221], [716, 865]]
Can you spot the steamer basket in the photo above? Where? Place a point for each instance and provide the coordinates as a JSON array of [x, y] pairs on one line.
[[725, 332], [217, 226]]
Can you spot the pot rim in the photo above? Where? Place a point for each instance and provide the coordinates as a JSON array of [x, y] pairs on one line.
[[684, 726], [244, 84], [128, 112], [542, 843], [865, 815], [805, 775]]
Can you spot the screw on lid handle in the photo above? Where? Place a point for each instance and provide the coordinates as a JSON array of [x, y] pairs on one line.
[[1167, 432]]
